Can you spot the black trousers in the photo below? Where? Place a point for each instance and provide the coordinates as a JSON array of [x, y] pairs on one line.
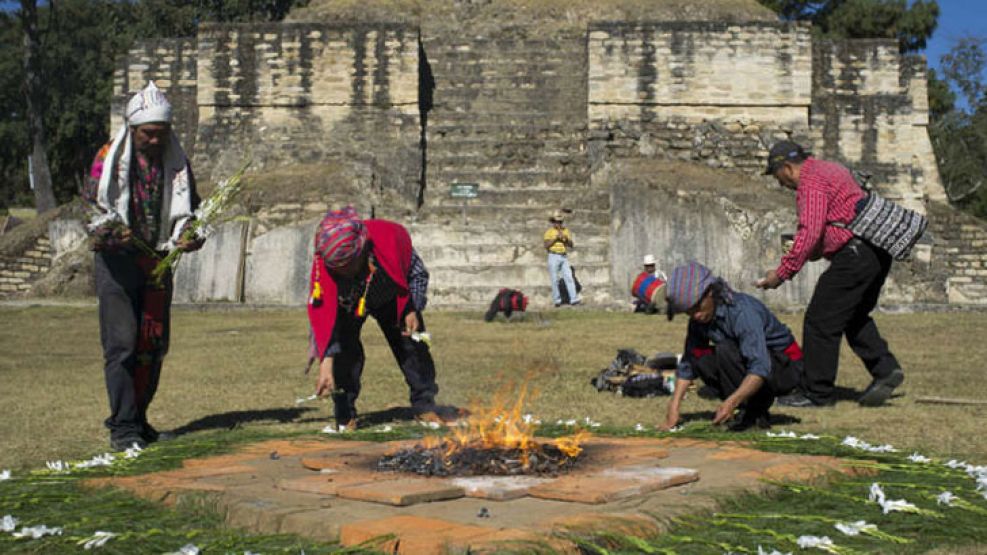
[[413, 357], [131, 375], [841, 304], [724, 369]]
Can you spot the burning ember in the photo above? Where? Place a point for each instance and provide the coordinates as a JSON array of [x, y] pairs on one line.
[[497, 439]]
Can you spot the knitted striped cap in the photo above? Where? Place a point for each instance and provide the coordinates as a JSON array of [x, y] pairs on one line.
[[686, 286], [340, 237]]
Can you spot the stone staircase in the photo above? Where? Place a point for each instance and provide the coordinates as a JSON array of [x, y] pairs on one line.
[[960, 251], [505, 119], [18, 273]]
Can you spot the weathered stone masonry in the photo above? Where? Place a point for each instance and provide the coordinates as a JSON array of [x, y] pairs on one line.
[[540, 120]]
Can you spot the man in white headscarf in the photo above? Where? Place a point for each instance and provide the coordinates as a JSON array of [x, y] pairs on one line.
[[143, 196]]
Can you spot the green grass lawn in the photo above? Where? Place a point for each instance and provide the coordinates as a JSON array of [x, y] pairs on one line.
[[243, 368], [233, 375]]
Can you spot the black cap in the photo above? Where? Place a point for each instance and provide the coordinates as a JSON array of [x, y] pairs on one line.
[[784, 151]]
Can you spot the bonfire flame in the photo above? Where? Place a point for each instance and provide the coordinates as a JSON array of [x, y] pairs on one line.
[[502, 426]]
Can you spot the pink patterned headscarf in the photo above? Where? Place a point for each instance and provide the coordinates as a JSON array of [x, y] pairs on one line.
[[340, 237]]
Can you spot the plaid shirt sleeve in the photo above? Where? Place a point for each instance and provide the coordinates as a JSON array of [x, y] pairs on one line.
[[418, 282], [812, 210]]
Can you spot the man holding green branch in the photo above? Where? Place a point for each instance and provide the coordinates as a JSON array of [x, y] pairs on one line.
[[142, 192]]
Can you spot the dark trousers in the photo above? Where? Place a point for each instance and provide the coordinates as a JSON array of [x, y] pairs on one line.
[[724, 369], [841, 304], [132, 369], [413, 357]]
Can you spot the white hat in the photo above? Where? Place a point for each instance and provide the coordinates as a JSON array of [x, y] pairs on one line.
[[148, 106], [649, 259]]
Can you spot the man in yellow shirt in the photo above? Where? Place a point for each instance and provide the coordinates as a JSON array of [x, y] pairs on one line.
[[558, 243]]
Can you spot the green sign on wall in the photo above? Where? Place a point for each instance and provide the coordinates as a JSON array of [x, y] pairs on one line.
[[463, 190]]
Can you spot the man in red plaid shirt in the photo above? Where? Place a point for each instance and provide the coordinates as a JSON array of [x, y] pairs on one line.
[[826, 193]]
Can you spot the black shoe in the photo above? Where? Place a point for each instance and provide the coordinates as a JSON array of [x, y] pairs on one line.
[[745, 421], [150, 435], [799, 401], [880, 389], [126, 442]]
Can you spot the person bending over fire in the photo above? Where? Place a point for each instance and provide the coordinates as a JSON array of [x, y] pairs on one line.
[[367, 268], [735, 344]]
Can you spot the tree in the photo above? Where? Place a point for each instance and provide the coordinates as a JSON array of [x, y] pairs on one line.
[[942, 99], [964, 66], [911, 24], [960, 136], [82, 39], [44, 196]]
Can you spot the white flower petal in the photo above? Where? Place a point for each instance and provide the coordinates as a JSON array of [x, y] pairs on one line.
[[946, 498], [855, 443], [133, 451], [916, 458], [638, 427], [854, 528], [35, 532], [808, 542], [876, 493], [187, 549], [98, 539], [898, 505]]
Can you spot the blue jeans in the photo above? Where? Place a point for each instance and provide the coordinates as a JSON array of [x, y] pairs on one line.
[[559, 264]]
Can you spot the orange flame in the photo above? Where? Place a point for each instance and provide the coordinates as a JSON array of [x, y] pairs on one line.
[[502, 424]]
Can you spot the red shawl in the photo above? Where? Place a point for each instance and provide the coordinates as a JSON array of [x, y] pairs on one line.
[[392, 248]]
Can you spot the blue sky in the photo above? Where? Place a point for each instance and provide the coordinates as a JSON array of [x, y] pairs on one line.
[[957, 19]]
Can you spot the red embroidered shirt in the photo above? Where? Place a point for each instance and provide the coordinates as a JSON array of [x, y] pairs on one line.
[[826, 193]]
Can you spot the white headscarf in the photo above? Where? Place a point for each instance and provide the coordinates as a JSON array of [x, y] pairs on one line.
[[147, 106]]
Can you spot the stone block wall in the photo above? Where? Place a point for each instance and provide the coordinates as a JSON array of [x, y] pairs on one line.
[[508, 113], [712, 92], [870, 110], [738, 238], [171, 64], [18, 273], [284, 93], [290, 93], [393, 114]]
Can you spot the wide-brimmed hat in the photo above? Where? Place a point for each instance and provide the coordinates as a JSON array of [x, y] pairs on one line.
[[649, 260]]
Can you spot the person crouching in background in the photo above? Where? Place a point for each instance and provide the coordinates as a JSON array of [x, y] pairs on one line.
[[735, 344]]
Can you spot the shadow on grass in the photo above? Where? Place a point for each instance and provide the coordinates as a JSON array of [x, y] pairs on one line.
[[234, 419], [405, 414], [707, 416]]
